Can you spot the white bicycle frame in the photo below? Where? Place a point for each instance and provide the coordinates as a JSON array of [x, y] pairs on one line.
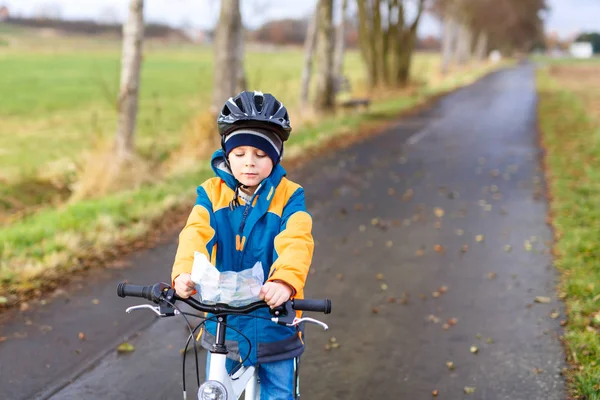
[[245, 379]]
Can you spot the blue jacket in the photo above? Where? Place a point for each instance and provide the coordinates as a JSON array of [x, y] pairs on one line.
[[274, 229]]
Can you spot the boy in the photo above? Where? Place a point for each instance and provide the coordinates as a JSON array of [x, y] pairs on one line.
[[251, 212]]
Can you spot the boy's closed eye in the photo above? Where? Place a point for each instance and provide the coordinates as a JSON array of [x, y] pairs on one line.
[[258, 154]]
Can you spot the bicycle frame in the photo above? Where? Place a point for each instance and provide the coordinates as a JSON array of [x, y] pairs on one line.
[[246, 379]]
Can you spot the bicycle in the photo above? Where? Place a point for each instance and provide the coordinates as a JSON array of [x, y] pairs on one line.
[[220, 385]]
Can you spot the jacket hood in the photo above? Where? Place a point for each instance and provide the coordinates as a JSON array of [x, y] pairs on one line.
[[222, 170]]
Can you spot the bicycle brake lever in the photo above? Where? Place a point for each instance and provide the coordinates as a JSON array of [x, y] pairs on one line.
[[154, 309], [311, 320]]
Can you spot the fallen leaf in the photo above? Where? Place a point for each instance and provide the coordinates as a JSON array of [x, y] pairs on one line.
[[489, 340], [450, 365], [375, 310], [435, 393], [439, 212], [554, 315], [459, 232], [537, 371], [24, 306], [478, 336], [491, 275], [362, 228], [469, 389], [474, 349], [3, 300], [340, 276], [527, 245], [125, 348], [391, 191], [446, 327], [479, 238], [433, 318], [435, 294], [389, 243], [419, 253], [379, 276], [438, 248], [96, 301], [82, 336], [384, 286], [542, 299], [452, 321], [408, 195], [508, 248], [464, 248], [443, 289], [391, 299], [2, 339]]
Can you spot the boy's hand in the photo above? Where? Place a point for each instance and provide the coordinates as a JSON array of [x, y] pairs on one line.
[[184, 286], [275, 293]]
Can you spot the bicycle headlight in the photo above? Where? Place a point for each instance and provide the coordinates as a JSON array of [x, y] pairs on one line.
[[212, 390]]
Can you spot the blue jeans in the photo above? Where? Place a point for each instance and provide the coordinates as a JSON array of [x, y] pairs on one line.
[[276, 378]]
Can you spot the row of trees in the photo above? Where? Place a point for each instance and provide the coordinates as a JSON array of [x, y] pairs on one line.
[[387, 32]]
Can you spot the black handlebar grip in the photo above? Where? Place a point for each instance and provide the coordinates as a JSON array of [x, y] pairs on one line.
[[126, 289], [323, 306]]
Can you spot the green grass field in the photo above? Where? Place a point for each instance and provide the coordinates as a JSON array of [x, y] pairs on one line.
[[569, 111], [60, 101]]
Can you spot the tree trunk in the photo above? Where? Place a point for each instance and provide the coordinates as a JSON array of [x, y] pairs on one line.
[[448, 42], [229, 54], [131, 60], [309, 50], [365, 38], [405, 58], [406, 45], [463, 47], [324, 96], [338, 64], [481, 48]]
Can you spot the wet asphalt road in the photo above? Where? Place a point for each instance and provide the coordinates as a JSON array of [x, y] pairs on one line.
[[439, 220]]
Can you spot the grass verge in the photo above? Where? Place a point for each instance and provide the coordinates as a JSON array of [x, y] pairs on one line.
[[38, 251], [570, 135]]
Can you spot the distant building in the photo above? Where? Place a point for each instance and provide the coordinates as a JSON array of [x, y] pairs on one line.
[[4, 14], [581, 50]]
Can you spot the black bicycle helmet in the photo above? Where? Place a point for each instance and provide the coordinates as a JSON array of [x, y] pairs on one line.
[[254, 109]]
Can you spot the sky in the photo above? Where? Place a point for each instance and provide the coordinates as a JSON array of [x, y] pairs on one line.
[[567, 17]]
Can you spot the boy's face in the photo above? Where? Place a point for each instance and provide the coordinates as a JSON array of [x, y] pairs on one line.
[[250, 165]]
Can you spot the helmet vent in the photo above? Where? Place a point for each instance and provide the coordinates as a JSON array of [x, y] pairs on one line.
[[225, 111], [258, 103], [240, 105]]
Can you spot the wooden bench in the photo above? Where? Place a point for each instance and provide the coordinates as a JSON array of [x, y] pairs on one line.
[[343, 86]]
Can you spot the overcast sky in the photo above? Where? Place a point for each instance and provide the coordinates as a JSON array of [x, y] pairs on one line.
[[566, 16]]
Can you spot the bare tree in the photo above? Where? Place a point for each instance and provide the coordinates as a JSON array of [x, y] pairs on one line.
[[324, 96], [340, 35], [481, 45], [229, 77], [309, 50], [131, 60], [387, 44]]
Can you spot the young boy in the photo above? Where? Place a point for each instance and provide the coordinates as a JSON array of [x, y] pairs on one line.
[[251, 212]]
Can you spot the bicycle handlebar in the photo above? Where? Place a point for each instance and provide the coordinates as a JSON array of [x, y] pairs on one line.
[[159, 292]]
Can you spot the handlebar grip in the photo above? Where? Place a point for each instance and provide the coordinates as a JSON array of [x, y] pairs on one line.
[[323, 306], [129, 290]]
